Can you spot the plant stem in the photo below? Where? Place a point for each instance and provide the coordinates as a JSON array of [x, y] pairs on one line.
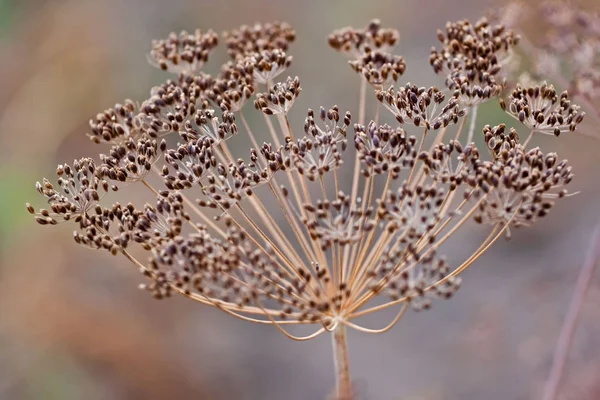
[[362, 103], [568, 330], [342, 366], [529, 137], [472, 124]]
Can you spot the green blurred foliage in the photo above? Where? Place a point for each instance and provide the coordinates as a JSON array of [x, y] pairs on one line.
[[15, 185]]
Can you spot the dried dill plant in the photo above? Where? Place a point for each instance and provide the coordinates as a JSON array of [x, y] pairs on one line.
[[321, 225]]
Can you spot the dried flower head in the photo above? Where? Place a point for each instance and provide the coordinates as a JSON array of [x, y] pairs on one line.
[[338, 221], [321, 150], [521, 186], [379, 68], [250, 40], [451, 163], [358, 42], [189, 163], [131, 161], [116, 124], [383, 149], [183, 53], [541, 109], [280, 98], [421, 106], [78, 193], [207, 124], [234, 87], [267, 65], [112, 229], [168, 107], [472, 57], [279, 235], [499, 142]]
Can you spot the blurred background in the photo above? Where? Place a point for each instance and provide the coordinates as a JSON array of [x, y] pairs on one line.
[[74, 326]]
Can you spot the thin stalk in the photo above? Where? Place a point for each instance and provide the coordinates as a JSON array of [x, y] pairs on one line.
[[189, 204], [362, 101], [414, 168], [472, 124], [249, 131], [342, 365], [529, 137], [569, 326]]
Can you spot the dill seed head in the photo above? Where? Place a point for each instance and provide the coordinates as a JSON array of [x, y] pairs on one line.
[[498, 141], [525, 186], [112, 229], [452, 164], [384, 149], [131, 161], [337, 221], [79, 191], [115, 124], [379, 68], [251, 40], [321, 150], [233, 88], [183, 52], [542, 109], [357, 42], [169, 105], [426, 107], [280, 98], [267, 65], [303, 229], [189, 163], [472, 57], [207, 124]]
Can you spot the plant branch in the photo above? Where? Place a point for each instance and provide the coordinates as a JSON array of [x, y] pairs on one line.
[[472, 124], [342, 366]]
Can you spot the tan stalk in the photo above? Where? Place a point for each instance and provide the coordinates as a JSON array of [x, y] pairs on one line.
[[342, 364]]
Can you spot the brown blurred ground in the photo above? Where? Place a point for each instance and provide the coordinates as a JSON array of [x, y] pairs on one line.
[[73, 325]]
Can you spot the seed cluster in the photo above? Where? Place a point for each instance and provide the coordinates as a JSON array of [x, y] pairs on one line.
[[321, 150], [115, 124], [451, 163], [357, 42], [280, 98], [472, 57], [337, 221], [78, 193], [130, 161], [267, 65], [521, 186], [251, 40], [426, 107], [173, 103], [185, 52], [206, 124], [541, 109], [379, 68], [190, 163], [384, 149], [306, 229]]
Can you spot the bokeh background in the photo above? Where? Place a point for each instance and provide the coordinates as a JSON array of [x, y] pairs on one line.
[[74, 326]]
